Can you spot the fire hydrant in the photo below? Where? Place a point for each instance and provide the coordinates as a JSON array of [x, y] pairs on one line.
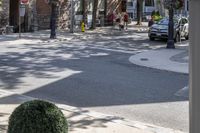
[[82, 26]]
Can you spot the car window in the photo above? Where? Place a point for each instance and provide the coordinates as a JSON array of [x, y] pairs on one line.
[[183, 21], [165, 21]]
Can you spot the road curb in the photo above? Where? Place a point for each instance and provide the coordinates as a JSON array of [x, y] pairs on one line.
[[113, 119]]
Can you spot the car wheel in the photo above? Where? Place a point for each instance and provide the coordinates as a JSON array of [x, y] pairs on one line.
[[151, 38], [177, 38], [187, 37]]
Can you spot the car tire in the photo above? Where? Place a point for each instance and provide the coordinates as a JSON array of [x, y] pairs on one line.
[[177, 38], [187, 37], [151, 38]]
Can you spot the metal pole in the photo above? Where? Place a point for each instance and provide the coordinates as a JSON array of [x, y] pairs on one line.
[[170, 42], [53, 20], [194, 66], [19, 21], [72, 17], [181, 26]]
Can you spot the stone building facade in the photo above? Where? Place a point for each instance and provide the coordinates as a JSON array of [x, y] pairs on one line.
[[4, 13], [37, 15]]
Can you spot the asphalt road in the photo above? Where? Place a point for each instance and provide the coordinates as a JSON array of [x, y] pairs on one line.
[[94, 73]]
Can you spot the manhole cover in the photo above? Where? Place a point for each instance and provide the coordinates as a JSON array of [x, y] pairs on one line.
[[144, 59]]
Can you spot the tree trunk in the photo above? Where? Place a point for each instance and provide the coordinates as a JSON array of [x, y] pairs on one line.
[[84, 4], [105, 11], [139, 11], [94, 14], [53, 20]]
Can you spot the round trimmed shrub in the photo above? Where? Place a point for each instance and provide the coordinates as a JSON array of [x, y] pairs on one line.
[[37, 116]]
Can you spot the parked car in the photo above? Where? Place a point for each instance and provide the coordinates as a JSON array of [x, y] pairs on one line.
[[160, 29], [185, 31]]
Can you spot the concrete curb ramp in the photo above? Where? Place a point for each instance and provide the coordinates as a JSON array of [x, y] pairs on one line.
[[160, 59]]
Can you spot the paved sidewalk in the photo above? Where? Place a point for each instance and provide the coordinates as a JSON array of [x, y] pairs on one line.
[[80, 121], [175, 60], [65, 35]]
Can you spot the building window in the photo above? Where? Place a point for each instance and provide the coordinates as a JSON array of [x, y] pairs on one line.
[[130, 15], [130, 4], [123, 5], [149, 2]]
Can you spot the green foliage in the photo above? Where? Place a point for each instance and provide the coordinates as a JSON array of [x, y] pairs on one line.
[[37, 117], [159, 1], [156, 16], [0, 3]]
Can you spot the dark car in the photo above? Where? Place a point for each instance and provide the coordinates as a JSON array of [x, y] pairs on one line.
[[160, 29]]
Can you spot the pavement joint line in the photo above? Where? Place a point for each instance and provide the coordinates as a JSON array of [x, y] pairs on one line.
[[93, 114]]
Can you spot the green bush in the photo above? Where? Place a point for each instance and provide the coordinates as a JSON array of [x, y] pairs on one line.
[[37, 117]]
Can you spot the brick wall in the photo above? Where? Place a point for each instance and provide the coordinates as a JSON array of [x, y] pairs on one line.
[[43, 14]]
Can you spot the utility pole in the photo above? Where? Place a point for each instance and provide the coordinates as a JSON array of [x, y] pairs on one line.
[[194, 67], [19, 19]]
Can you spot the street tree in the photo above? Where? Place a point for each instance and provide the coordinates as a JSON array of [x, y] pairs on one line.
[[160, 7], [139, 11], [105, 8], [94, 14], [84, 5], [53, 19]]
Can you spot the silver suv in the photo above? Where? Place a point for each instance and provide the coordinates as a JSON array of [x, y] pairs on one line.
[[160, 29]]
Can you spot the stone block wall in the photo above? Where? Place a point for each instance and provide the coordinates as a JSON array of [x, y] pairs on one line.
[[4, 13], [64, 15]]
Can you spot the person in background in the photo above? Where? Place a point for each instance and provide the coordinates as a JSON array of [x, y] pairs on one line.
[[118, 20], [151, 22], [121, 24], [126, 20]]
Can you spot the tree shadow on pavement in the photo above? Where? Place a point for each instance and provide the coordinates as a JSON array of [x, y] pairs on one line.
[[3, 122], [78, 119], [103, 80]]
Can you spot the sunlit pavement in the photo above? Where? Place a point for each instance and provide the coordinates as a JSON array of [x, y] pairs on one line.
[[92, 71]]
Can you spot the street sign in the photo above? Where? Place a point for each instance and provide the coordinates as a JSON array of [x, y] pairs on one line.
[[24, 1], [22, 10]]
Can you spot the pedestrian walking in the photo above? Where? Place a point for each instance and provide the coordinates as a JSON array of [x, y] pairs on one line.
[[126, 20], [121, 24], [118, 20]]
